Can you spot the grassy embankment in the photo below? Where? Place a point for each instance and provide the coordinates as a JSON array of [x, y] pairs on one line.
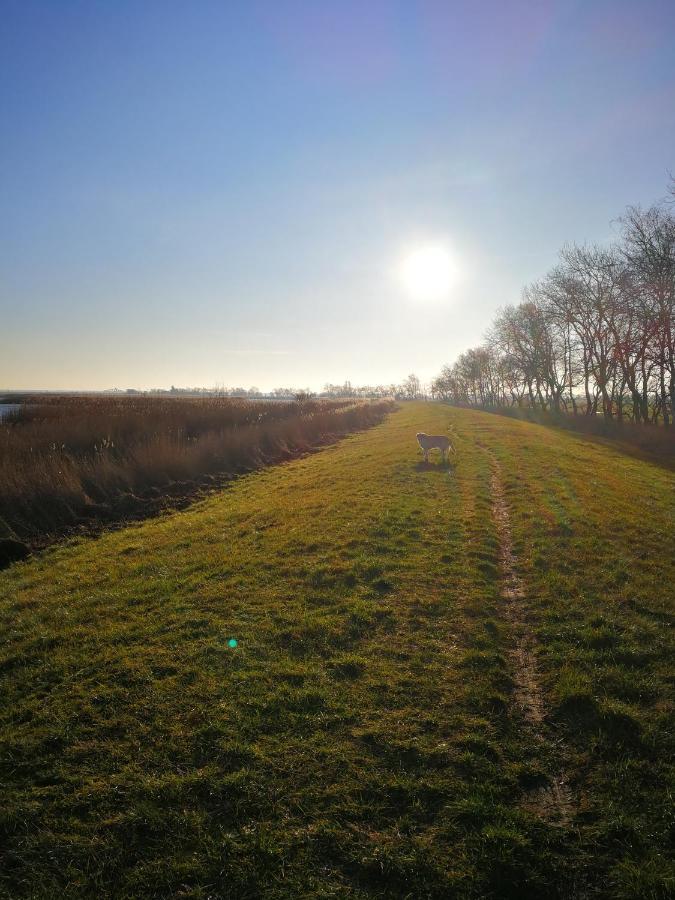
[[363, 739], [652, 441]]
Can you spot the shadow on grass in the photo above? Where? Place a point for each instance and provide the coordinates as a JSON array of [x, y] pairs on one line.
[[441, 466], [649, 443]]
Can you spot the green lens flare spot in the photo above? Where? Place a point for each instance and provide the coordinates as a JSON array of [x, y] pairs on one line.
[[232, 643]]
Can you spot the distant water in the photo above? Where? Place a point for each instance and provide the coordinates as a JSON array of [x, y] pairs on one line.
[[7, 408]]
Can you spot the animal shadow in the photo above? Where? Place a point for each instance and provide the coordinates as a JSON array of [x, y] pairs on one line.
[[440, 466]]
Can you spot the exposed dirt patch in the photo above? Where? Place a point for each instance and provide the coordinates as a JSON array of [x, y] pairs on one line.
[[99, 518], [554, 801]]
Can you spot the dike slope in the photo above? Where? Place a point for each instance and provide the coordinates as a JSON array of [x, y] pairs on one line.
[[369, 735]]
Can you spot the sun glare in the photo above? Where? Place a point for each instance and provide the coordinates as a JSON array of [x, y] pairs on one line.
[[428, 273]]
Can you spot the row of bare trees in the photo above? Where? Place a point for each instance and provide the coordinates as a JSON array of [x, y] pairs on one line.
[[409, 389], [595, 336]]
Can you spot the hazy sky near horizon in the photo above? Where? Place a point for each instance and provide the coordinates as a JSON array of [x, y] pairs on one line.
[[201, 193]]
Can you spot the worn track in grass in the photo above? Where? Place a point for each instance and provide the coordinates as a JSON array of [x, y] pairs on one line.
[[553, 802]]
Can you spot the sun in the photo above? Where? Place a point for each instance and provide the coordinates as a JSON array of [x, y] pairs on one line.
[[428, 273]]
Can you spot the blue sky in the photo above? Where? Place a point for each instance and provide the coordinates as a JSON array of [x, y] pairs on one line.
[[201, 192]]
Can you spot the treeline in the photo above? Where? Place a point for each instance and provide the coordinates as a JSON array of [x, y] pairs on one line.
[[595, 336], [392, 390], [408, 389]]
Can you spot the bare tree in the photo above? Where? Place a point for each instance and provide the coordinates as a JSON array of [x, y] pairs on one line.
[[601, 321], [411, 387], [649, 249]]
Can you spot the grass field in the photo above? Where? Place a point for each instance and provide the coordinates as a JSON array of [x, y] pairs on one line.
[[449, 682]]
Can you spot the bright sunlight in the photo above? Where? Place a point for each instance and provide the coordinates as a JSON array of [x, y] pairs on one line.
[[429, 272]]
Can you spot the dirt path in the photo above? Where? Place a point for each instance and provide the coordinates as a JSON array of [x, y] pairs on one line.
[[552, 802]]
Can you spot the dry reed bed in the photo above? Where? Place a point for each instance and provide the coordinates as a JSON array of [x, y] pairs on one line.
[[68, 460]]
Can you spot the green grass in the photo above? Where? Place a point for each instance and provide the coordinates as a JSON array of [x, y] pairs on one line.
[[361, 739]]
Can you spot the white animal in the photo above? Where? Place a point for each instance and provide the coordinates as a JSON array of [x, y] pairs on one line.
[[434, 442]]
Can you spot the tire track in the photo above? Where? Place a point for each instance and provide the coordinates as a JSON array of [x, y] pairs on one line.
[[553, 802]]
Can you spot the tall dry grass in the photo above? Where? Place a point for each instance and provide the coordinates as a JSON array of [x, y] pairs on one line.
[[64, 460]]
